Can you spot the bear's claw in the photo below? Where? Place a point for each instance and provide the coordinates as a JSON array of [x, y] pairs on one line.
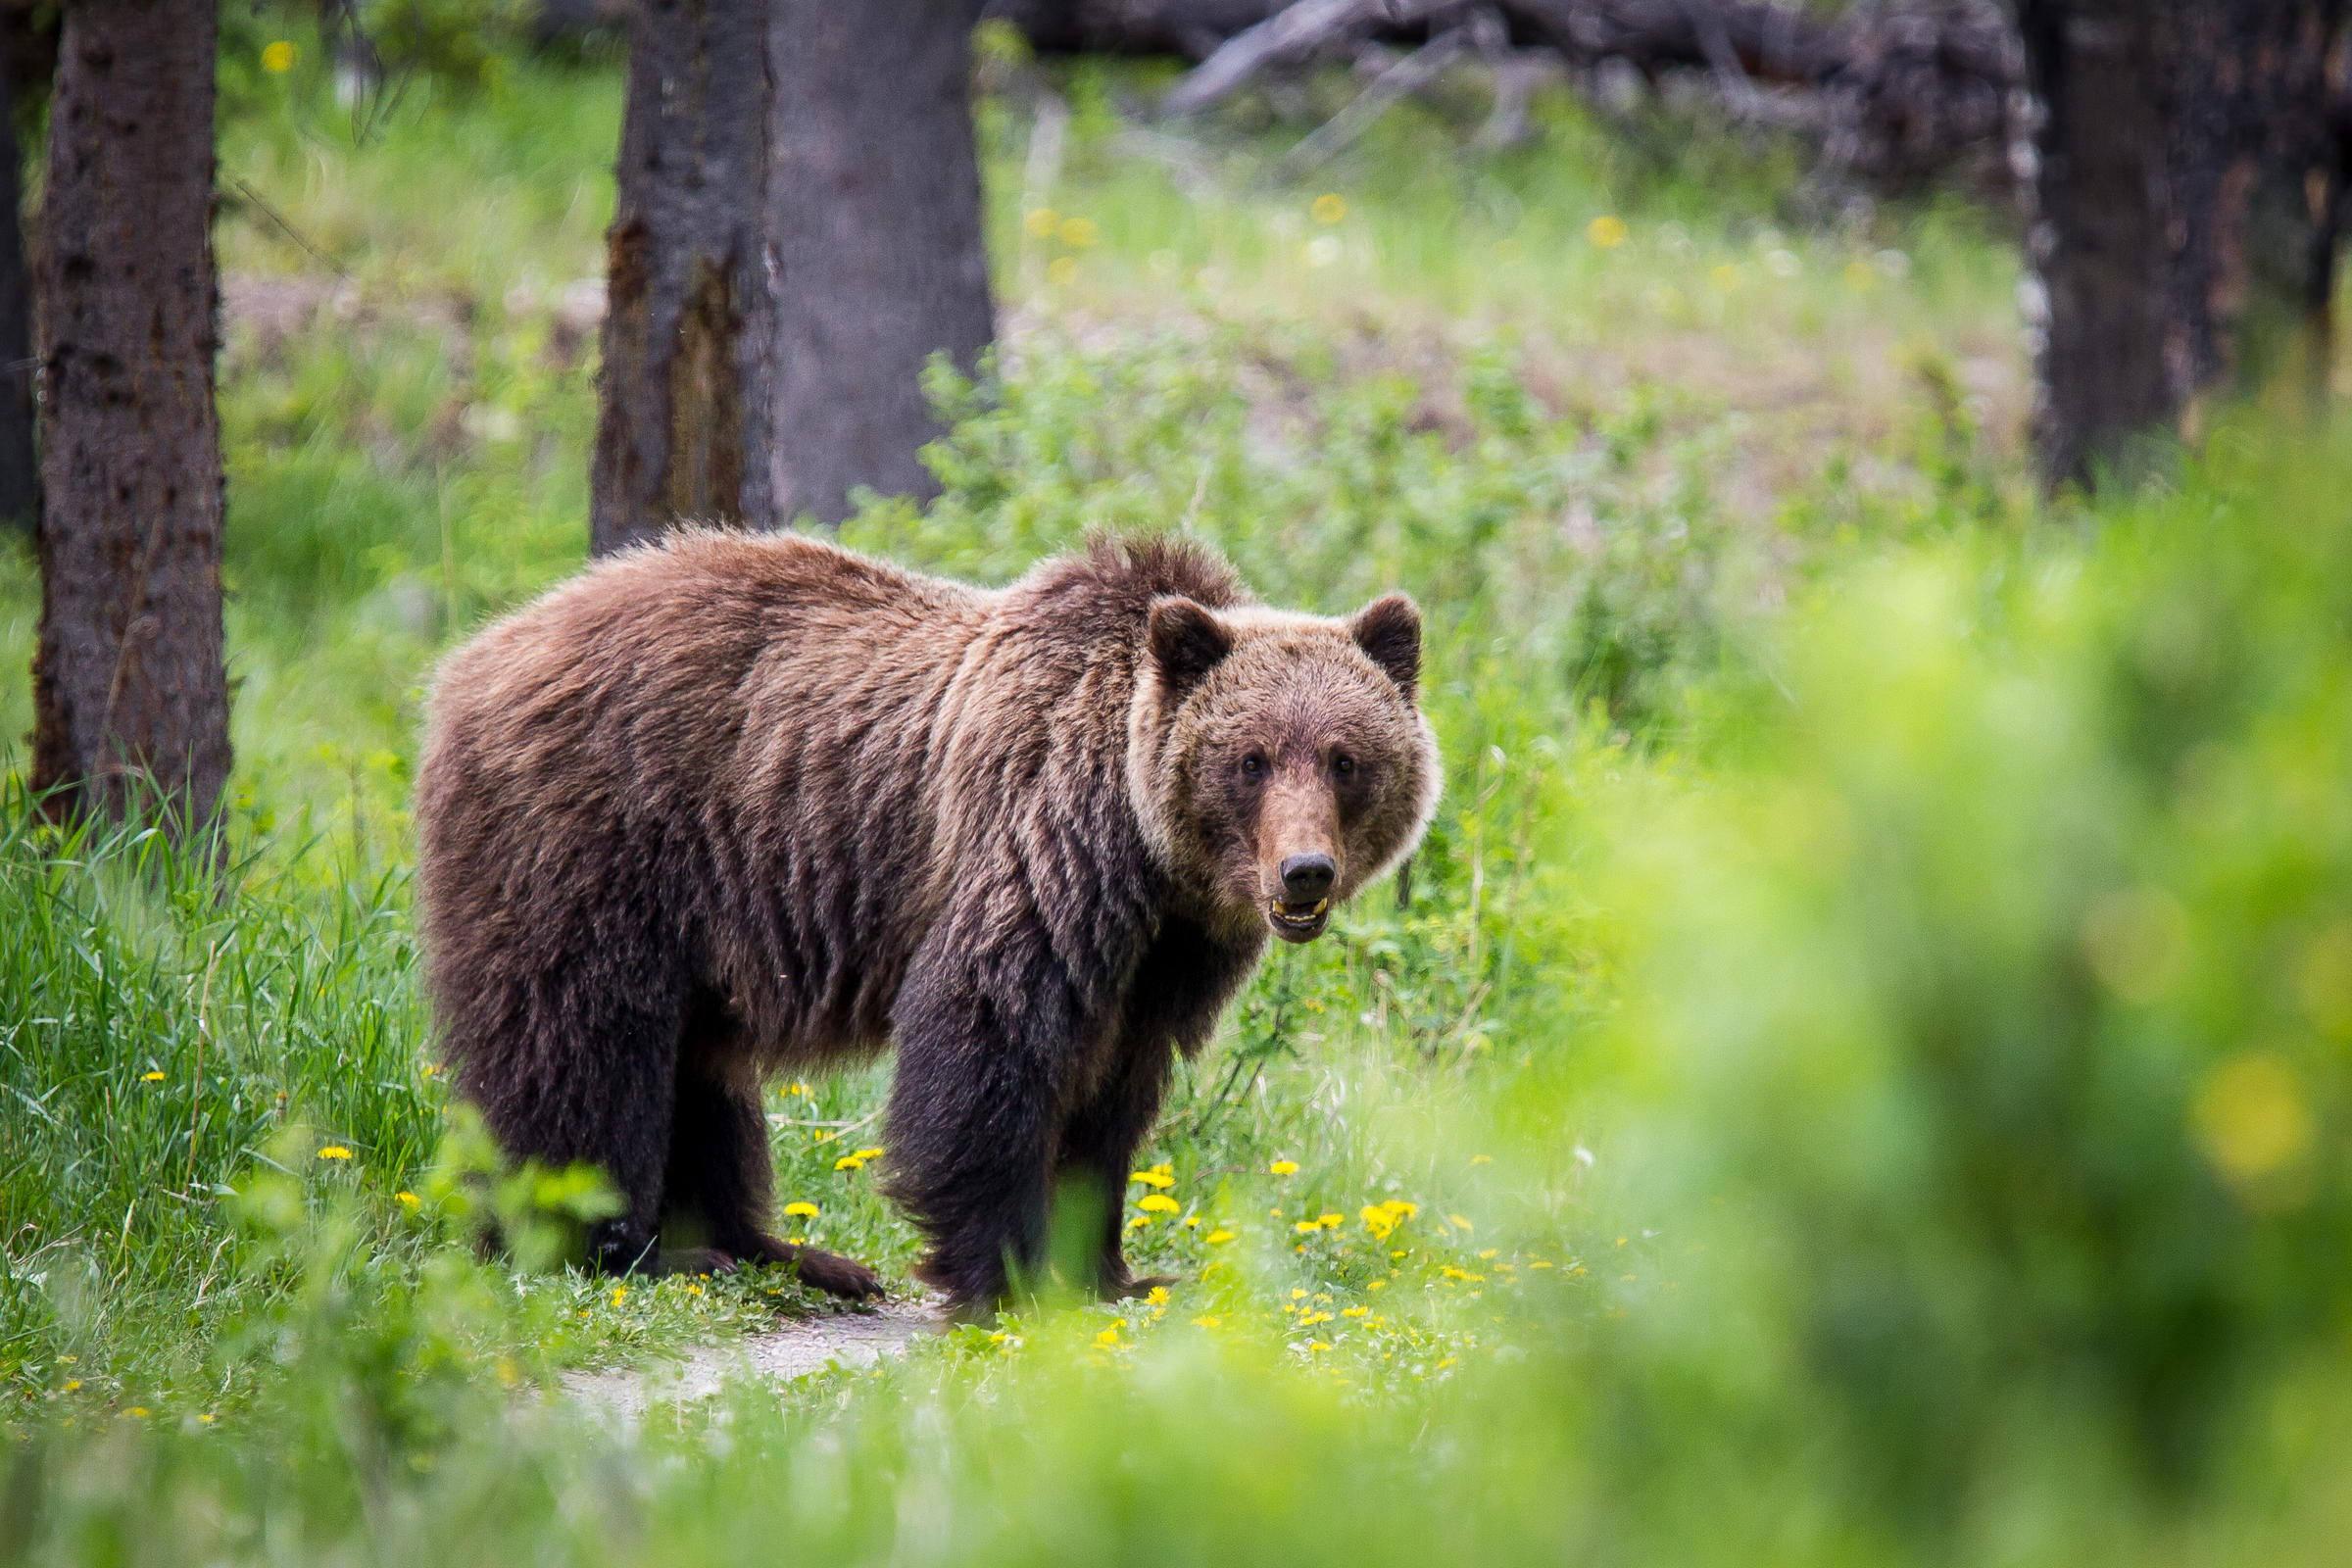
[[836, 1275], [827, 1271]]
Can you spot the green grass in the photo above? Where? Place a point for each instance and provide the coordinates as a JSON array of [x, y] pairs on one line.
[[1861, 1078]]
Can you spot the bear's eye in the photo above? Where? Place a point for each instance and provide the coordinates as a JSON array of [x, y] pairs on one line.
[[1252, 766], [1342, 764]]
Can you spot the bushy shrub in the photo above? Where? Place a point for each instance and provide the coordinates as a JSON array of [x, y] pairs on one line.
[[1998, 1014]]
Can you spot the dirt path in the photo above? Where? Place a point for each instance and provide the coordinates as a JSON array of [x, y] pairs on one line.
[[791, 1350]]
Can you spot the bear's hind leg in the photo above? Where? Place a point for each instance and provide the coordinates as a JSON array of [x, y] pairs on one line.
[[721, 1180]]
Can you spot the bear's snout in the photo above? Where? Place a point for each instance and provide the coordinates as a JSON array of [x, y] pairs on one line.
[[1299, 864], [1307, 877]]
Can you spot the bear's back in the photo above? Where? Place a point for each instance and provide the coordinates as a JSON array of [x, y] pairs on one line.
[[778, 758]]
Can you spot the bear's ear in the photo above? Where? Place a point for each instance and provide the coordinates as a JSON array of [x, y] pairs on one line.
[[1187, 643], [1388, 631]]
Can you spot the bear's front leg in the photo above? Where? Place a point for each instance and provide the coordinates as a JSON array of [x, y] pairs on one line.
[[982, 1075], [1098, 1147]]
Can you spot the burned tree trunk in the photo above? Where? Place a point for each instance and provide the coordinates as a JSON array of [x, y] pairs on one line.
[[685, 421], [2098, 242], [2187, 179], [129, 688], [874, 214], [19, 479], [2254, 173]]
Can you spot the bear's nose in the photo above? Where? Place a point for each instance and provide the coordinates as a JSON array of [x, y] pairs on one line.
[[1305, 877]]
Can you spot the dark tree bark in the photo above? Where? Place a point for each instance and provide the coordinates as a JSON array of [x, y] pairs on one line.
[[2254, 170], [874, 214], [2187, 171], [686, 415], [129, 686], [19, 479], [2098, 242]]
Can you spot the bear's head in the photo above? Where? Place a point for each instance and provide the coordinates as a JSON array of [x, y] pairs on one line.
[[1279, 761]]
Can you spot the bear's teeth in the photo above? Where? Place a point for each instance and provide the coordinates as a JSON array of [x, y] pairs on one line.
[[1320, 905]]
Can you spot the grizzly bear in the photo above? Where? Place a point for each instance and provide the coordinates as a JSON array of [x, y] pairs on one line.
[[734, 803]]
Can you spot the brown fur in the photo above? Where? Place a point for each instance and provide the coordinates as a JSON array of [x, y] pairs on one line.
[[734, 803]]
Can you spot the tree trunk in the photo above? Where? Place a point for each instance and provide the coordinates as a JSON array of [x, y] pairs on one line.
[[874, 214], [2187, 180], [2252, 156], [2098, 243], [19, 479], [129, 688], [685, 421]]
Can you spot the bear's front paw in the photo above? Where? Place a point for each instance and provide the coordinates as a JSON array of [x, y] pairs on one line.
[[836, 1275]]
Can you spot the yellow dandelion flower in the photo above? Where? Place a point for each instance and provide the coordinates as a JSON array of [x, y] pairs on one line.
[[1489, 1252], [1462, 1224], [999, 1338], [1284, 1167], [1191, 1221], [1298, 1296], [1157, 1296], [849, 1162], [1355, 1311], [621, 1293], [1377, 1284], [1482, 1160], [1310, 1319], [277, 58], [800, 1209], [1079, 233], [1139, 1222], [1209, 1321], [1538, 1263], [796, 1088], [71, 1384], [334, 1151], [1218, 1238], [1607, 232], [1330, 207], [1448, 1361], [1317, 1345], [1620, 1240], [151, 1078], [1306, 1227], [137, 1410], [1331, 1222], [1401, 1208], [406, 1200], [870, 1153], [694, 1289], [1063, 272], [1152, 1178], [1040, 222], [1109, 1337], [1158, 1204]]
